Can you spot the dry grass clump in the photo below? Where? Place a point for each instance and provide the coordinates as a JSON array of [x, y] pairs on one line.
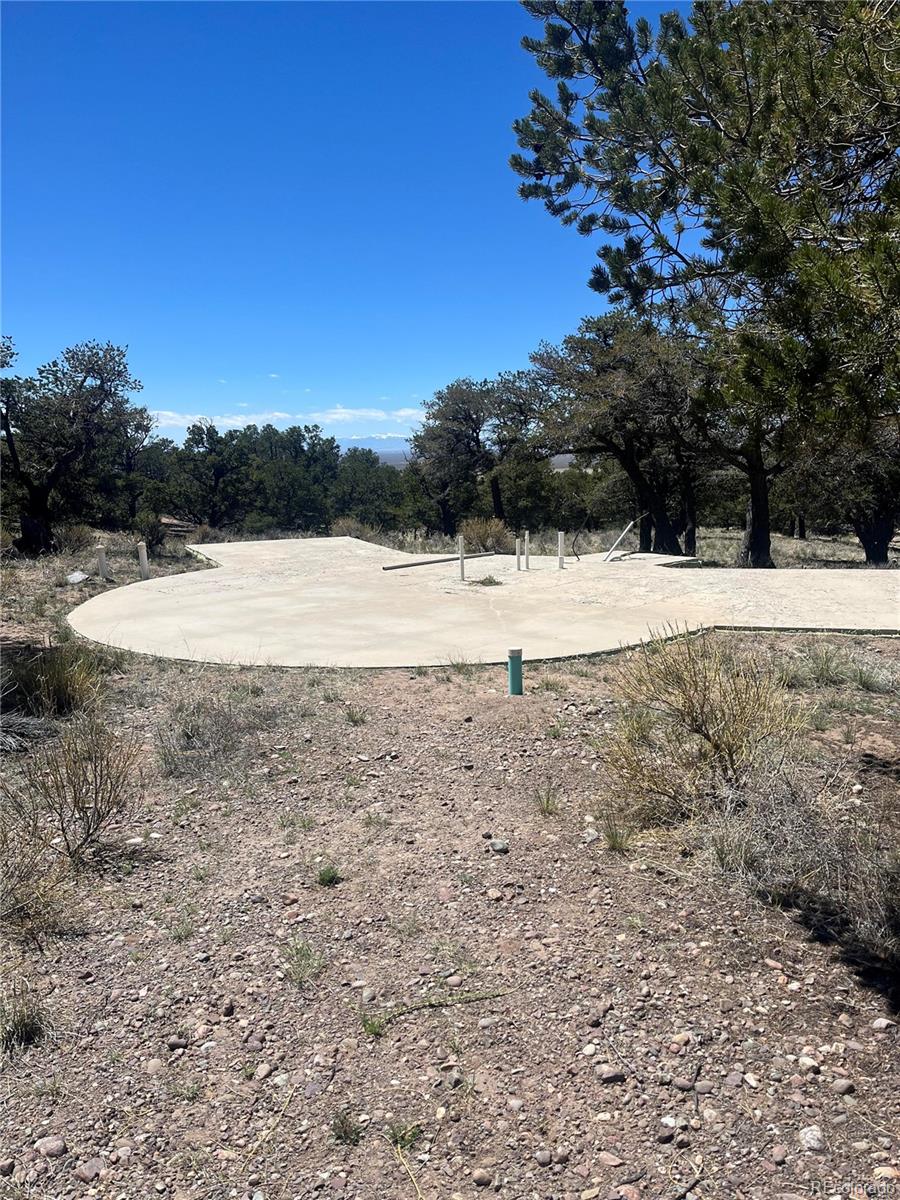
[[481, 533], [55, 681], [824, 665], [698, 722], [835, 864], [352, 527], [72, 791], [201, 728], [23, 1021], [32, 874]]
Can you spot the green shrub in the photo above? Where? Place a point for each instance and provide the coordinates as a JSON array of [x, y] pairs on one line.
[[151, 529], [481, 534], [79, 785], [352, 527], [698, 722]]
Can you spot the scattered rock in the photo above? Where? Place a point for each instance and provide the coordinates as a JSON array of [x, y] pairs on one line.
[[88, 1171], [880, 1024], [51, 1147], [843, 1087], [7, 1166], [154, 1066], [481, 1177], [608, 1074], [543, 1158], [779, 1154], [499, 846], [811, 1138], [606, 1159]]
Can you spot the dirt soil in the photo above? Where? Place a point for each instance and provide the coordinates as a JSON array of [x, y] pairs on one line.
[[582, 1025]]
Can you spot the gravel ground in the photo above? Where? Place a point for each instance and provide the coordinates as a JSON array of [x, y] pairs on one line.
[[582, 1024]]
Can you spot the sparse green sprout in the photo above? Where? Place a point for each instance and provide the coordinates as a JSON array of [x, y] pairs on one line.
[[404, 1137], [346, 1129], [373, 1024], [616, 833], [554, 731], [487, 581], [328, 876], [302, 963], [546, 798], [23, 1021], [355, 715]]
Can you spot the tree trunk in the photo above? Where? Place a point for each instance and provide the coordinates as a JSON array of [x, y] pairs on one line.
[[665, 539], [799, 527], [645, 533], [448, 524], [37, 536], [497, 499], [689, 502], [756, 550], [875, 531]]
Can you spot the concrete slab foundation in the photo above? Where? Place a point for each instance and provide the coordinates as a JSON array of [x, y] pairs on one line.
[[327, 602]]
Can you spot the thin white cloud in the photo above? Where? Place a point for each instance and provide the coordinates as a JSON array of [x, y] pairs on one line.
[[166, 419], [377, 437], [338, 415], [272, 375], [221, 381]]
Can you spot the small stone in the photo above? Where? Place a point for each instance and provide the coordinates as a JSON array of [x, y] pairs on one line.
[[606, 1159], [543, 1158], [561, 1155], [608, 1074], [589, 1050], [805, 1063], [154, 1066], [368, 995], [704, 1086], [499, 846], [734, 1079], [454, 981], [665, 1135], [843, 1087], [263, 1071], [515, 1103], [880, 1024], [481, 1177], [683, 1085], [7, 1165], [51, 1147], [779, 1154], [176, 1042], [811, 1138], [76, 577], [228, 1007], [88, 1171]]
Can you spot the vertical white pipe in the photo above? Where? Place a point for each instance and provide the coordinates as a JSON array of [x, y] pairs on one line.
[[462, 557], [518, 554], [101, 563], [561, 549], [527, 548], [142, 560]]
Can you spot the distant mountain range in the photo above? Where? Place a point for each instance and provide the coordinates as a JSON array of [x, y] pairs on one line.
[[396, 450]]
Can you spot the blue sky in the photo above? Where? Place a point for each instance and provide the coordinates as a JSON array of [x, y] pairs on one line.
[[290, 212]]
